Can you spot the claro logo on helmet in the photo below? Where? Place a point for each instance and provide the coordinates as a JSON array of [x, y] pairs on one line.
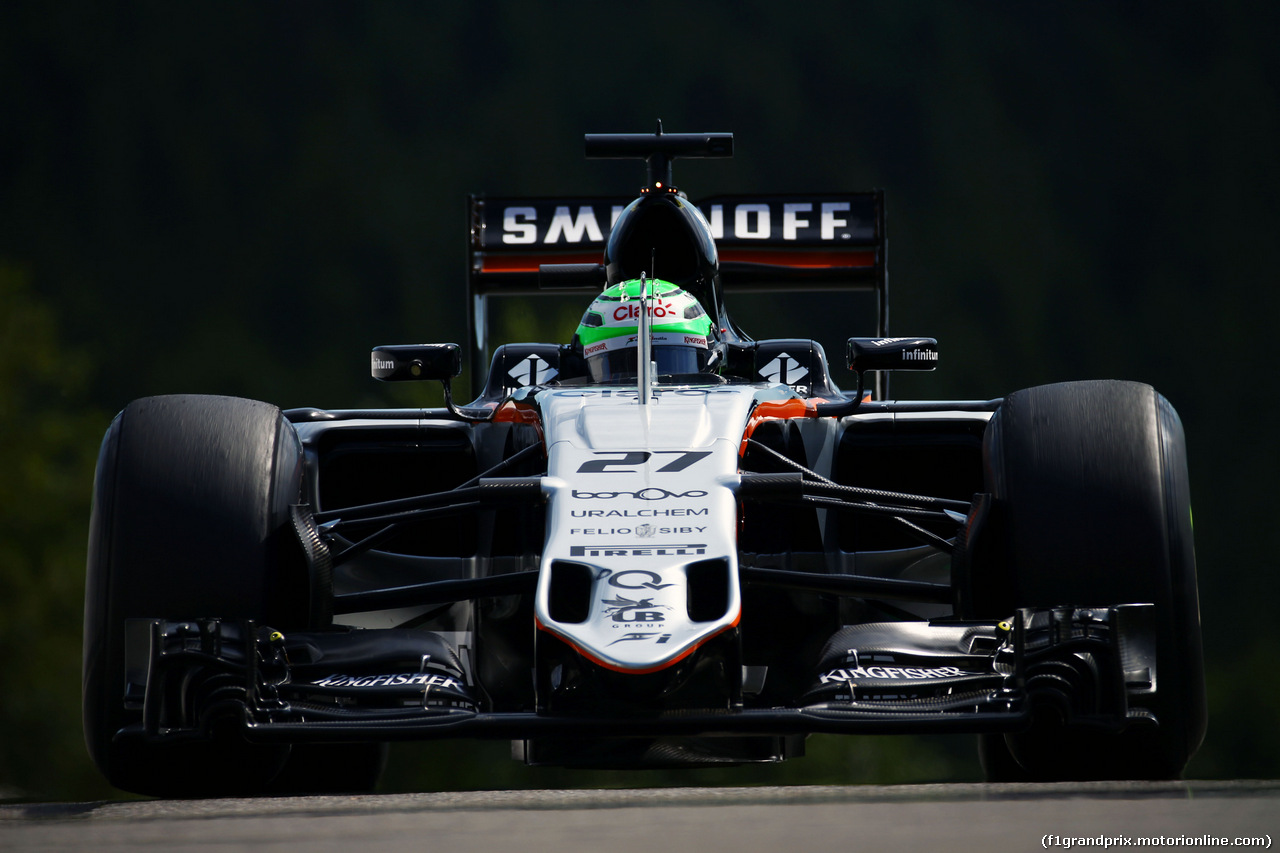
[[793, 220], [631, 311]]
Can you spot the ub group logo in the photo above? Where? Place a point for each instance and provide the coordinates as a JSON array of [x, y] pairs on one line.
[[623, 609]]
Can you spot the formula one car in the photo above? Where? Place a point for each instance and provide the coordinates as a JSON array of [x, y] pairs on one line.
[[662, 544]]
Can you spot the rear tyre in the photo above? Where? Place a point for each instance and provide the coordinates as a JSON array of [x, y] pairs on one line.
[[190, 520], [1093, 508]]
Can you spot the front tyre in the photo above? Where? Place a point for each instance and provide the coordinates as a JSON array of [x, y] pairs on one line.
[[190, 520], [1093, 509]]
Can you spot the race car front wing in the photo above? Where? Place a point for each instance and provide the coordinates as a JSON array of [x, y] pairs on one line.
[[1091, 665]]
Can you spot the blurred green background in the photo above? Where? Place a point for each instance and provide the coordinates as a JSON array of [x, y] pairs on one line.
[[242, 199]]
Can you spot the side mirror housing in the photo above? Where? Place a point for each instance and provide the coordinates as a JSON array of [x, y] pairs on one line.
[[413, 362], [892, 354]]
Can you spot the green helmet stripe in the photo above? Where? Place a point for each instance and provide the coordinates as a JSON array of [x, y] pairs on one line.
[[617, 312]]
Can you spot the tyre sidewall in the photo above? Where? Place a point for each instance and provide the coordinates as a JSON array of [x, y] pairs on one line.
[[1090, 479], [189, 520]]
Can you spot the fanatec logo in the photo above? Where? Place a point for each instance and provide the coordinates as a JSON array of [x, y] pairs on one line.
[[649, 494]]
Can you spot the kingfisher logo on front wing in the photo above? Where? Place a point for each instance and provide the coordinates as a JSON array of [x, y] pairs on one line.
[[397, 679], [892, 672], [636, 550]]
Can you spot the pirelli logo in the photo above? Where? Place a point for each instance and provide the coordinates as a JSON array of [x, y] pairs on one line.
[[636, 550]]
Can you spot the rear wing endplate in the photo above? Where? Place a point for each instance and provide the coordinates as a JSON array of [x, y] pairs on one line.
[[766, 243]]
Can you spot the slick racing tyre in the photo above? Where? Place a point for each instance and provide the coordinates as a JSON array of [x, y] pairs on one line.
[[1093, 509], [190, 520]]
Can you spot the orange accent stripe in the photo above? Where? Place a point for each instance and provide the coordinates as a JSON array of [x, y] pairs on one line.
[[512, 412], [771, 410], [784, 410], [797, 259]]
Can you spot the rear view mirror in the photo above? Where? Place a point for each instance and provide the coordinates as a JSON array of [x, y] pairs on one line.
[[412, 362], [892, 354]]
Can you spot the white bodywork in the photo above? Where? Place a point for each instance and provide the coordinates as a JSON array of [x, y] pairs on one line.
[[638, 493]]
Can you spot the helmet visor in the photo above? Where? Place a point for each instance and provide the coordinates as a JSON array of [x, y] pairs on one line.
[[616, 364]]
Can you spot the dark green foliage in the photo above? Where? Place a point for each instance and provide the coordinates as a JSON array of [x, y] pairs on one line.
[[49, 436]]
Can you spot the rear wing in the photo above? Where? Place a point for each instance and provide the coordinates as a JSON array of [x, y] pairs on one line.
[[765, 243]]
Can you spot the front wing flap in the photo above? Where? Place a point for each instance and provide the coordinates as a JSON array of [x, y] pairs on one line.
[[1093, 665]]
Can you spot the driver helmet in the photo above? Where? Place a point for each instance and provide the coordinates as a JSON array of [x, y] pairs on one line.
[[679, 327]]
